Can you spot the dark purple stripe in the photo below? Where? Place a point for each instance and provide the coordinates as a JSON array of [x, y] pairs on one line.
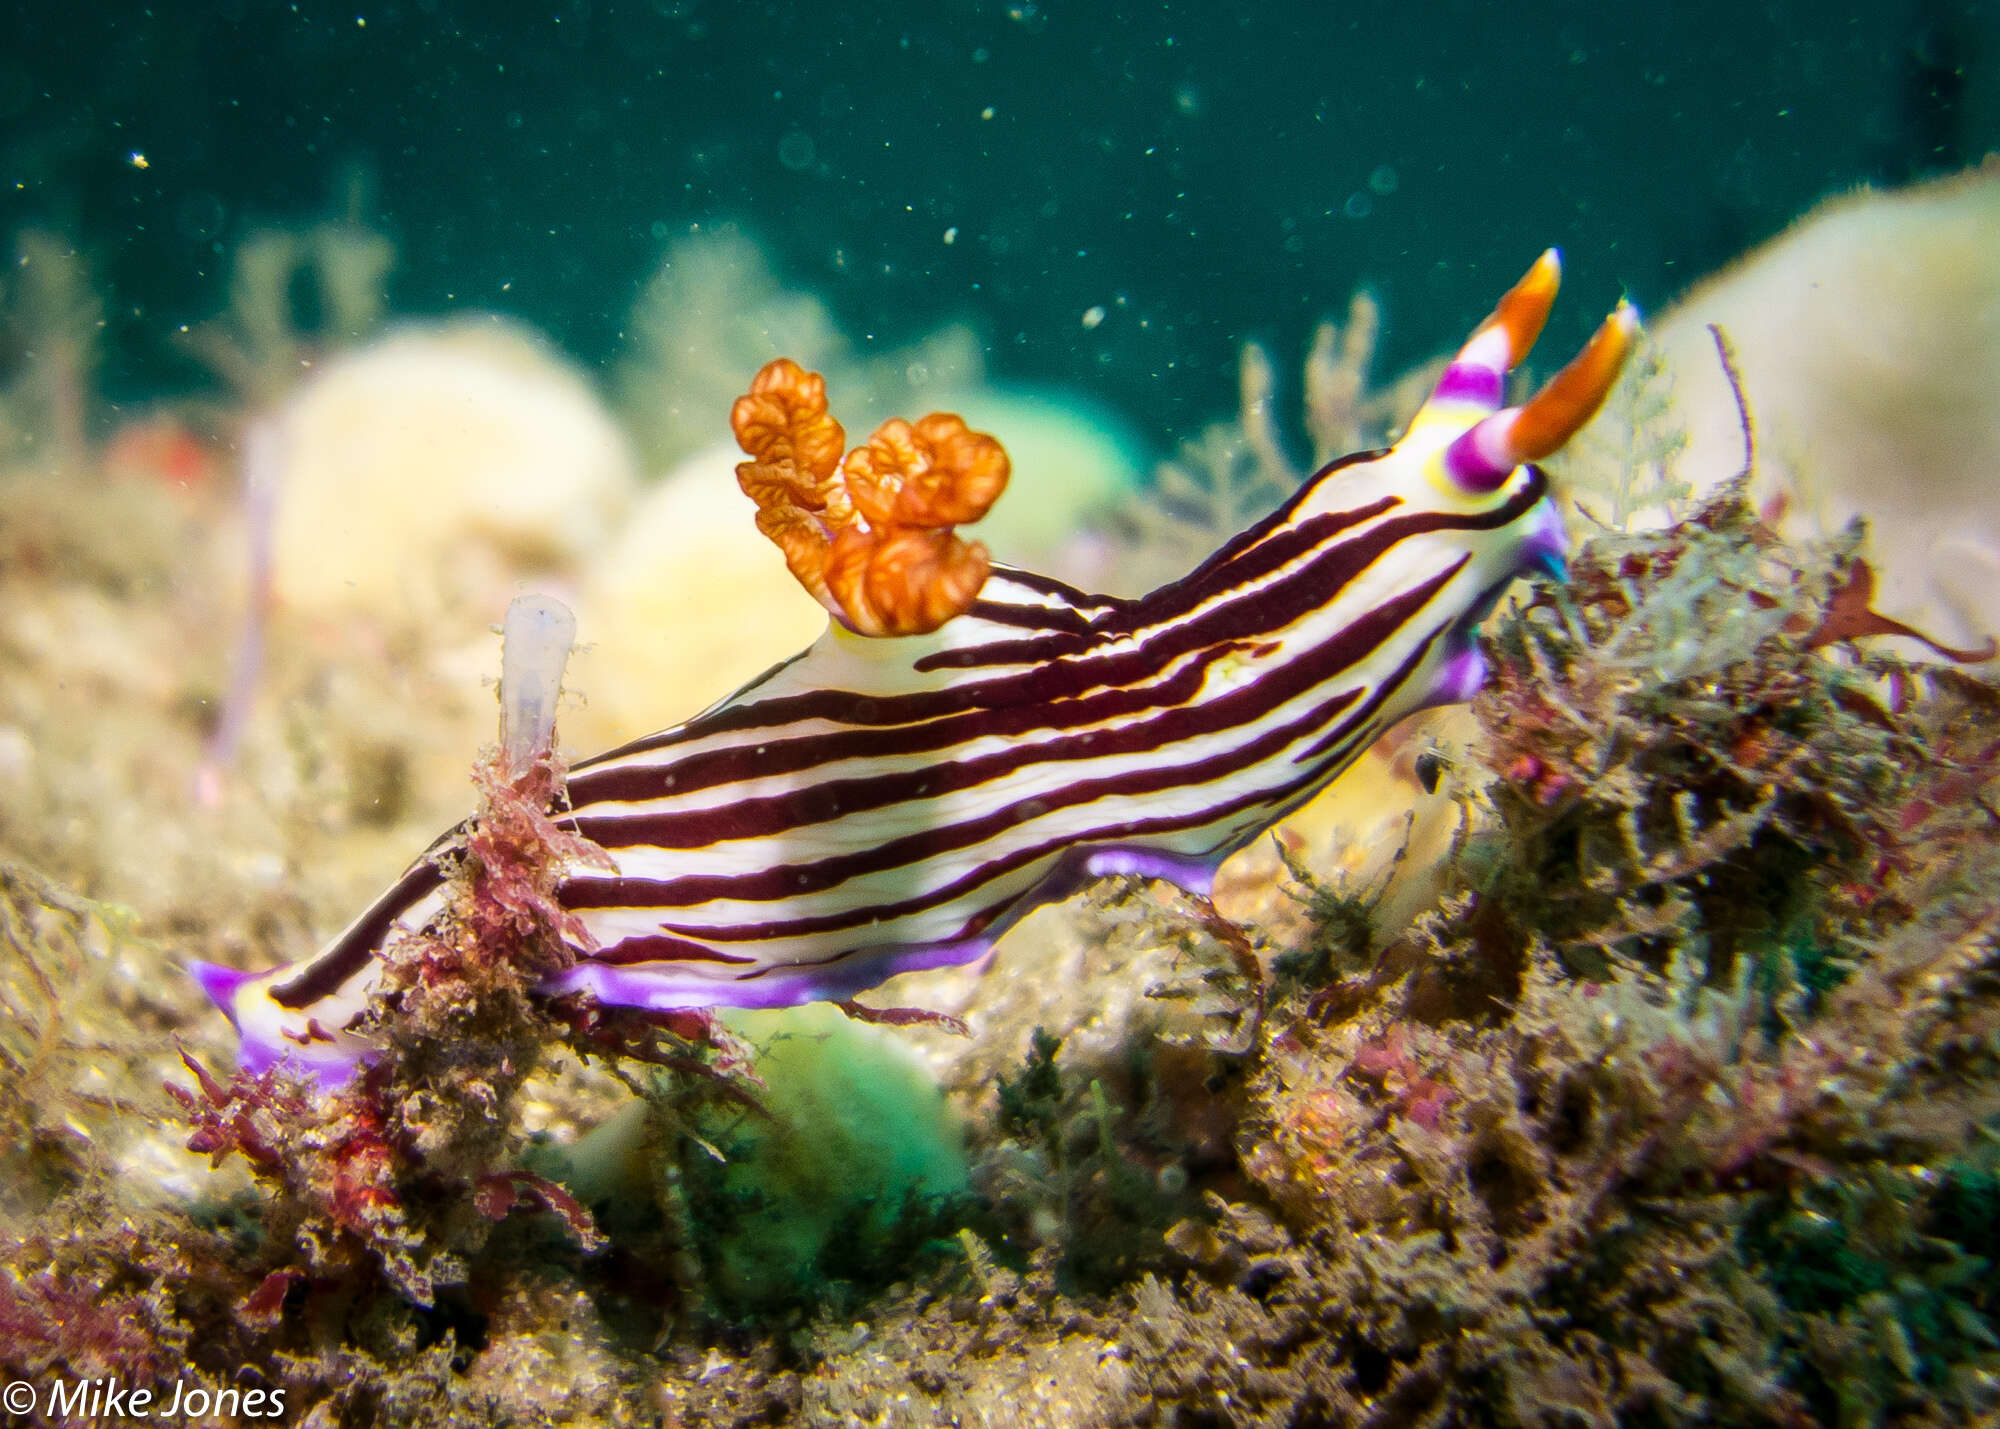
[[1287, 795], [1295, 677], [1120, 616], [689, 729], [326, 974], [1235, 566], [774, 815], [664, 948], [794, 880], [1256, 615], [1181, 718], [1033, 617], [1244, 539], [1259, 611], [712, 768], [1060, 590]]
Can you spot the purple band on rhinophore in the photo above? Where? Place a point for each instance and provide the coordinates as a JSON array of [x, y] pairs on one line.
[[1471, 382], [1472, 465]]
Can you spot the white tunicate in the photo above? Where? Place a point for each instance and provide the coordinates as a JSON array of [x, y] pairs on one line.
[[535, 642]]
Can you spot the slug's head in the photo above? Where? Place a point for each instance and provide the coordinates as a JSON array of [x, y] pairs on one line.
[[1476, 454], [269, 1033]]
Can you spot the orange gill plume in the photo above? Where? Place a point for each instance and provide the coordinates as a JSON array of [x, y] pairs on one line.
[[870, 538]]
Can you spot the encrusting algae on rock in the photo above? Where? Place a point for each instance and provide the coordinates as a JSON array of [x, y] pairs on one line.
[[1720, 957]]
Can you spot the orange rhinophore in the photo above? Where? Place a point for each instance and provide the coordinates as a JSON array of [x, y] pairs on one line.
[[870, 538], [1571, 397], [1524, 308]]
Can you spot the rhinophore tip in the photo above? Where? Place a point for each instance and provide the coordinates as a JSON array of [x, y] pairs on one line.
[[1522, 312], [1572, 397], [1479, 372], [1481, 457]]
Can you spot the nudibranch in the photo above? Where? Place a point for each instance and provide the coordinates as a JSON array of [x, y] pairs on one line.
[[967, 741]]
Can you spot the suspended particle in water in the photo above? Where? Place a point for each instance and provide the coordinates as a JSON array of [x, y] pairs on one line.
[[1359, 205], [1093, 315], [1383, 180], [796, 151], [200, 216]]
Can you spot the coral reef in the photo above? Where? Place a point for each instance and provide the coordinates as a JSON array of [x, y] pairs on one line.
[[1680, 1109], [1722, 962]]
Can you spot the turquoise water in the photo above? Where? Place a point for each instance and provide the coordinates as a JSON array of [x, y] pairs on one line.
[[1202, 173]]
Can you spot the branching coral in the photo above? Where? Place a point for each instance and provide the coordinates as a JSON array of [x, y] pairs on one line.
[[52, 315], [260, 345], [869, 538]]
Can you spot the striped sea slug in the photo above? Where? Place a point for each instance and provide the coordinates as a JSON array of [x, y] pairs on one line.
[[966, 741]]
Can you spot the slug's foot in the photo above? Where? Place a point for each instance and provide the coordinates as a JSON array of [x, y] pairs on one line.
[[870, 537]]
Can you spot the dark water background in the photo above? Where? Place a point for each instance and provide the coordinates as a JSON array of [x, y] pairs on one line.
[[1203, 172]]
